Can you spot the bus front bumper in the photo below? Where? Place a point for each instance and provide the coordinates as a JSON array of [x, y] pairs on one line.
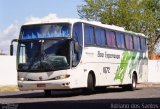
[[44, 85]]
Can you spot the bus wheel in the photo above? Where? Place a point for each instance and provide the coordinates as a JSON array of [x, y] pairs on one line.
[[131, 86], [47, 93], [90, 84], [134, 83]]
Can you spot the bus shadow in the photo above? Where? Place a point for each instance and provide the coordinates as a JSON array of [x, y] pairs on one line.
[[63, 94]]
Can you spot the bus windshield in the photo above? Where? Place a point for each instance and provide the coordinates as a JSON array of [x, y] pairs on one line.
[[43, 55], [45, 31]]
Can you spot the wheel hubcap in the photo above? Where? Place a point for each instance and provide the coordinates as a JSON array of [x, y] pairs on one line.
[[134, 83]]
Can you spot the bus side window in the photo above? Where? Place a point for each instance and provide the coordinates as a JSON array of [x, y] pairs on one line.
[[100, 37], [77, 38], [143, 44], [77, 33], [88, 35], [136, 41], [111, 39], [120, 40], [129, 42]]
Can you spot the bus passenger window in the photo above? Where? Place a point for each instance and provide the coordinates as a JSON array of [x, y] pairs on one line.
[[129, 42], [100, 37], [136, 41], [111, 39], [120, 40], [143, 44], [88, 35]]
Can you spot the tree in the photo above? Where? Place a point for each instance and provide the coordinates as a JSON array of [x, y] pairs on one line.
[[135, 15]]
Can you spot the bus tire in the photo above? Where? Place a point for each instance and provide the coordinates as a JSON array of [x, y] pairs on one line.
[[47, 93], [131, 86], [134, 83], [90, 84]]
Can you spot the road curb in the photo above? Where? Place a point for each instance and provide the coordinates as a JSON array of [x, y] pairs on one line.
[[149, 84]]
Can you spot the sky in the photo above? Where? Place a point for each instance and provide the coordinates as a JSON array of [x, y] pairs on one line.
[[14, 13]]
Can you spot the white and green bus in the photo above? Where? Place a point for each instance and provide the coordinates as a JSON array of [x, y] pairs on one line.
[[73, 53]]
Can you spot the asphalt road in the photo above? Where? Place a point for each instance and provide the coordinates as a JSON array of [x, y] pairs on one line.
[[110, 98]]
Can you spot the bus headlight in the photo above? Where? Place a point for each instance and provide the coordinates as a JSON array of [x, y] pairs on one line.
[[22, 79], [61, 77]]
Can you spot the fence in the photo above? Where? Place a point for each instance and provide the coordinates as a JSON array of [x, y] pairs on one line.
[[154, 71], [8, 73]]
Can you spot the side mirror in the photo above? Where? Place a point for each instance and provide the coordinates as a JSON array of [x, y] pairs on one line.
[[11, 50], [76, 46], [11, 46]]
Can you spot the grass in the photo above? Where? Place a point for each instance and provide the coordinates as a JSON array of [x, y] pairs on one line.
[[8, 88]]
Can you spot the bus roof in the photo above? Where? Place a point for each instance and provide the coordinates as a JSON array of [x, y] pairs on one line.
[[95, 23]]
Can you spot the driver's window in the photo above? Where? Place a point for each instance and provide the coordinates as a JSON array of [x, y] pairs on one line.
[[77, 38]]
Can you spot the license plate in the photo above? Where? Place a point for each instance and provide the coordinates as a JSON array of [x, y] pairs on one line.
[[41, 85]]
